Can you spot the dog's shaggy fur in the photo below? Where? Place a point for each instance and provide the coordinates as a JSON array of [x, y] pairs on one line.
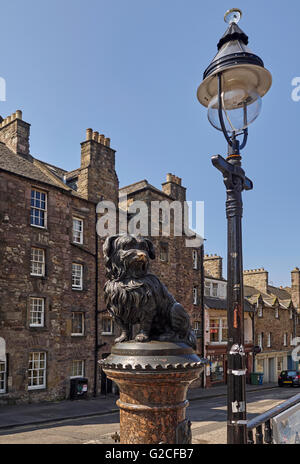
[[133, 296]]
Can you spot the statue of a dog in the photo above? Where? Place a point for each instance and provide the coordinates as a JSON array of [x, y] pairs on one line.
[[134, 296]]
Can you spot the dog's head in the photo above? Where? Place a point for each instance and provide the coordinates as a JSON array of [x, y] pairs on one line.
[[127, 256]]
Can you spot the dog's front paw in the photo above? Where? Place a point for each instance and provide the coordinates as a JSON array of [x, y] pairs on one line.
[[141, 337], [123, 338]]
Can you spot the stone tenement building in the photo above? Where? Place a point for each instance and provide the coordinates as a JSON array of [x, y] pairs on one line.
[[216, 330], [53, 323], [271, 321], [276, 321]]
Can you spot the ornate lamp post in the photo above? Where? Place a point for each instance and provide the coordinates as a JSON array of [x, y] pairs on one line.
[[232, 87]]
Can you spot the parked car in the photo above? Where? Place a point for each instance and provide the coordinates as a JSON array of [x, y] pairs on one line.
[[289, 378]]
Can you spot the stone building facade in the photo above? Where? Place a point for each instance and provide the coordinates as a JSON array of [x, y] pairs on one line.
[[215, 323], [276, 323], [53, 322]]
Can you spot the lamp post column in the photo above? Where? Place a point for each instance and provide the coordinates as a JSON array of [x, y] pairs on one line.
[[235, 182]]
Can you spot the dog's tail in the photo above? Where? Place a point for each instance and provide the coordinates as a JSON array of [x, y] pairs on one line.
[[192, 340], [180, 322]]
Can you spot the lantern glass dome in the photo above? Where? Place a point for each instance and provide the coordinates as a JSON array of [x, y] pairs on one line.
[[240, 107]]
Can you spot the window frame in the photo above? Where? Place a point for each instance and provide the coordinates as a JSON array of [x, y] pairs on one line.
[[269, 340], [34, 207], [31, 312], [196, 327], [214, 289], [4, 379], [75, 218], [195, 259], [80, 286], [82, 374], [38, 369], [164, 249], [112, 325], [43, 263], [207, 288], [195, 296], [77, 334], [260, 340], [220, 327]]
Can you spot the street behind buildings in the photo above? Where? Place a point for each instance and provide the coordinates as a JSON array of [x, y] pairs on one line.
[[208, 416]]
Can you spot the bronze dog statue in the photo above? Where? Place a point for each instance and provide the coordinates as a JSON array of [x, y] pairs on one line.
[[134, 296]]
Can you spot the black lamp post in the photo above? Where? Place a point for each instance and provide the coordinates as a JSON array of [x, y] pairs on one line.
[[232, 87]]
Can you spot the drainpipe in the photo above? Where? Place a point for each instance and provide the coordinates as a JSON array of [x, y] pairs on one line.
[[202, 311], [96, 310]]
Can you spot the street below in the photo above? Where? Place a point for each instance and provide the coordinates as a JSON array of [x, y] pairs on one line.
[[208, 416]]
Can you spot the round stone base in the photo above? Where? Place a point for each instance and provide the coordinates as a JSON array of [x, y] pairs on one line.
[[153, 379]]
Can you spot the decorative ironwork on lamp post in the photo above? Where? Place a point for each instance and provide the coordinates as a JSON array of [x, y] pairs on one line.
[[232, 87]]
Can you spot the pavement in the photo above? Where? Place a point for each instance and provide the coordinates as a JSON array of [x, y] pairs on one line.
[[47, 412]]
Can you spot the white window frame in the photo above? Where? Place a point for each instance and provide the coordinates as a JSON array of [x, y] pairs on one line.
[[195, 295], [196, 327], [74, 368], [77, 277], [3, 375], [260, 310], [222, 324], [207, 288], [35, 207], [276, 313], [36, 307], [78, 334], [214, 289], [285, 337], [291, 314], [269, 340], [112, 327], [37, 262], [39, 367], [260, 338], [77, 232], [195, 259]]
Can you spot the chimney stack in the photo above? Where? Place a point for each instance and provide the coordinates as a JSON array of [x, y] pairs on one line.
[[213, 266], [295, 281], [97, 178], [14, 133], [257, 278], [173, 188]]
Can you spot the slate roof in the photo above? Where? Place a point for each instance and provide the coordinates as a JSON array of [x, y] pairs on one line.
[[32, 168], [274, 297], [221, 303]]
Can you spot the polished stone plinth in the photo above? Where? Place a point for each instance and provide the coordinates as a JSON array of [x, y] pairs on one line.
[[153, 379]]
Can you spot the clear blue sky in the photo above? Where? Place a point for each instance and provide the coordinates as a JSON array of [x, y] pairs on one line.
[[130, 69]]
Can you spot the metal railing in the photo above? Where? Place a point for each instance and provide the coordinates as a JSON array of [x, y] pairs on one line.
[[262, 424]]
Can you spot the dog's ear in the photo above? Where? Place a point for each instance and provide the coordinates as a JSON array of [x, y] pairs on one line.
[[108, 246], [151, 250]]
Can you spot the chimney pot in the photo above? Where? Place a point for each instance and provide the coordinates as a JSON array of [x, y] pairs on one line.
[[89, 134], [95, 136]]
